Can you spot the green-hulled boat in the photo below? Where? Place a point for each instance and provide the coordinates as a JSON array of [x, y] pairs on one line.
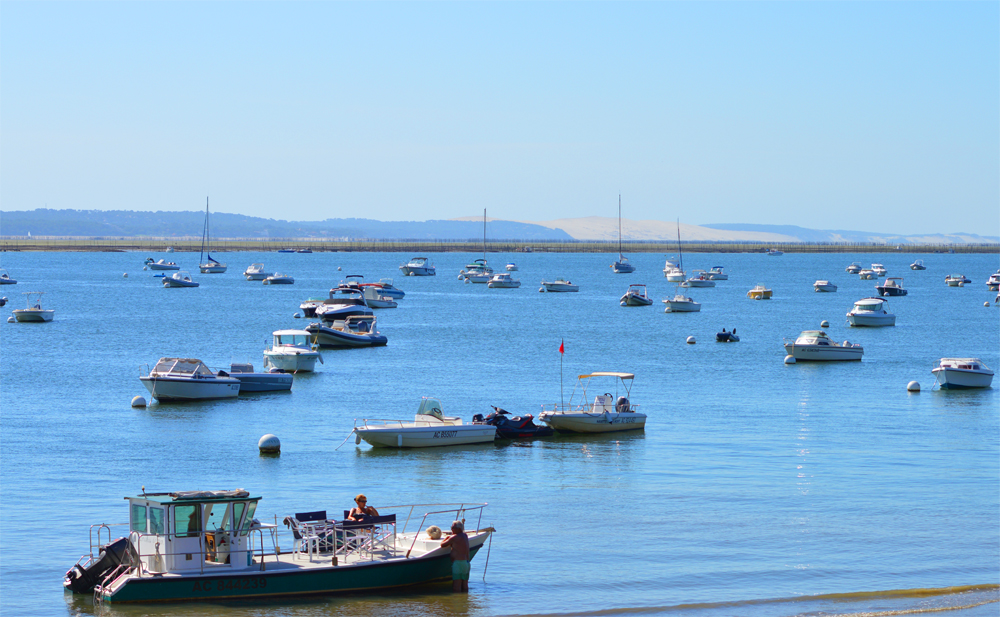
[[207, 545]]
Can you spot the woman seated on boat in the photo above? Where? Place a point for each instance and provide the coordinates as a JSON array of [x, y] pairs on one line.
[[362, 511]]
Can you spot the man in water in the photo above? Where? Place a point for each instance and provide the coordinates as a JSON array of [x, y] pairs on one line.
[[459, 543]]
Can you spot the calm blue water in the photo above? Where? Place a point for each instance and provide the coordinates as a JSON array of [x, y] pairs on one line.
[[757, 488]]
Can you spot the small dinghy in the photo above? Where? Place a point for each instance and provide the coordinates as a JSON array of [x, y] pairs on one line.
[[727, 337]]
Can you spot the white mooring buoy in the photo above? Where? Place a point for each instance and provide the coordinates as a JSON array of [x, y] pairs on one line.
[[913, 386], [269, 444], [986, 303], [297, 315], [690, 340], [11, 319], [789, 359], [138, 401], [824, 324], [125, 276]]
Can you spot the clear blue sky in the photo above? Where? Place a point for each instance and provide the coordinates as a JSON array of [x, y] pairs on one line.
[[878, 116]]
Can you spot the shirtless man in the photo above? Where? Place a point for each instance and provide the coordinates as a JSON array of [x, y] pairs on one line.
[[459, 543]]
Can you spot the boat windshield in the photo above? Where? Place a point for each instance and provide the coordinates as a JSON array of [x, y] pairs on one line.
[[430, 407], [186, 366]]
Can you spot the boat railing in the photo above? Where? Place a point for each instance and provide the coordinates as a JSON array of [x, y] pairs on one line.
[[387, 423], [460, 512], [585, 408]]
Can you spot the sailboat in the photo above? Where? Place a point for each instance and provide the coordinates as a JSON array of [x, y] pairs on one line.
[[478, 271], [622, 266], [211, 266], [675, 271]]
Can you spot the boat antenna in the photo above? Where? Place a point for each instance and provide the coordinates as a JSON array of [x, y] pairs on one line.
[[562, 351]]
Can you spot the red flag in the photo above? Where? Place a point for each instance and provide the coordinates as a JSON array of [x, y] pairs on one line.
[[562, 348]]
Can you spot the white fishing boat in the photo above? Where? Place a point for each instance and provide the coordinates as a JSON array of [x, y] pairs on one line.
[[210, 265], [33, 311], [892, 286], [559, 285], [292, 351], [635, 296], [209, 547], [386, 288], [418, 266], [698, 278], [344, 301], [187, 379], [956, 280], [5, 278], [374, 298], [716, 273], [993, 283], [878, 269], [681, 304], [824, 285], [511, 267], [430, 427], [866, 274], [774, 252], [918, 265], [854, 268], [352, 331], [673, 272], [959, 373], [607, 413], [622, 266], [179, 279], [274, 380], [760, 292], [871, 312], [279, 279], [256, 272], [161, 264], [816, 345], [503, 280]]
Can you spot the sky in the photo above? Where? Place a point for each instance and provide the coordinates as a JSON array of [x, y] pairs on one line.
[[879, 116]]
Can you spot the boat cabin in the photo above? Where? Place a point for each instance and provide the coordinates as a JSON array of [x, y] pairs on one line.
[[292, 338], [192, 530], [870, 305], [814, 337]]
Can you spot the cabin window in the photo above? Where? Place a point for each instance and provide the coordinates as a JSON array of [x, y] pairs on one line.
[[215, 516], [238, 509], [156, 520], [249, 519], [187, 520], [138, 518]]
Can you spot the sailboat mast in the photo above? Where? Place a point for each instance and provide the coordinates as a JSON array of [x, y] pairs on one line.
[[204, 232], [484, 234], [680, 255], [619, 226]]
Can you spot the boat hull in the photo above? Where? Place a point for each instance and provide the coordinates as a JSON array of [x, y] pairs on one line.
[[427, 436], [156, 266], [34, 315], [871, 321], [171, 282], [172, 389], [634, 300], [957, 379], [681, 307], [594, 422], [291, 363], [256, 276], [263, 382], [212, 268], [622, 268], [826, 288], [890, 291], [329, 337], [823, 353], [414, 271], [278, 582], [559, 287]]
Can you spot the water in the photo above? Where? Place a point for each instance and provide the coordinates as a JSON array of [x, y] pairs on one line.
[[757, 488]]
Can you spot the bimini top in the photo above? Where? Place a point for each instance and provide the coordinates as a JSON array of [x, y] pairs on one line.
[[291, 333], [222, 496], [609, 374]]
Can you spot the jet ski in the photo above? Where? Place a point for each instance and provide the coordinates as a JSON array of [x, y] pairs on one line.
[[518, 427], [727, 337]]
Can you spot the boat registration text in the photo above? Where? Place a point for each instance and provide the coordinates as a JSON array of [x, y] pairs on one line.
[[445, 434]]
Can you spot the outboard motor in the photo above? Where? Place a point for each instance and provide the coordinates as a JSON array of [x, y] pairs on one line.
[[112, 554], [478, 418], [622, 405]]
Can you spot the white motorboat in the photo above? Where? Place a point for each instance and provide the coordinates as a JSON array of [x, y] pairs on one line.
[[607, 413], [559, 285], [866, 274], [374, 298], [5, 278], [824, 285], [878, 269], [959, 373], [33, 311], [210, 265], [511, 267], [418, 266], [430, 427], [292, 352], [179, 279], [918, 265], [503, 280], [161, 264], [352, 331], [854, 268], [760, 292], [345, 301], [622, 266], [698, 278], [871, 312], [774, 252], [635, 296], [479, 270], [681, 304], [188, 379], [716, 274], [816, 345], [956, 280], [892, 286], [279, 279], [993, 283], [256, 272], [673, 272], [386, 288], [274, 380]]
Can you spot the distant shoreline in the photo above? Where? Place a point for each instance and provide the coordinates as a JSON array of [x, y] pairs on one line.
[[160, 245]]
